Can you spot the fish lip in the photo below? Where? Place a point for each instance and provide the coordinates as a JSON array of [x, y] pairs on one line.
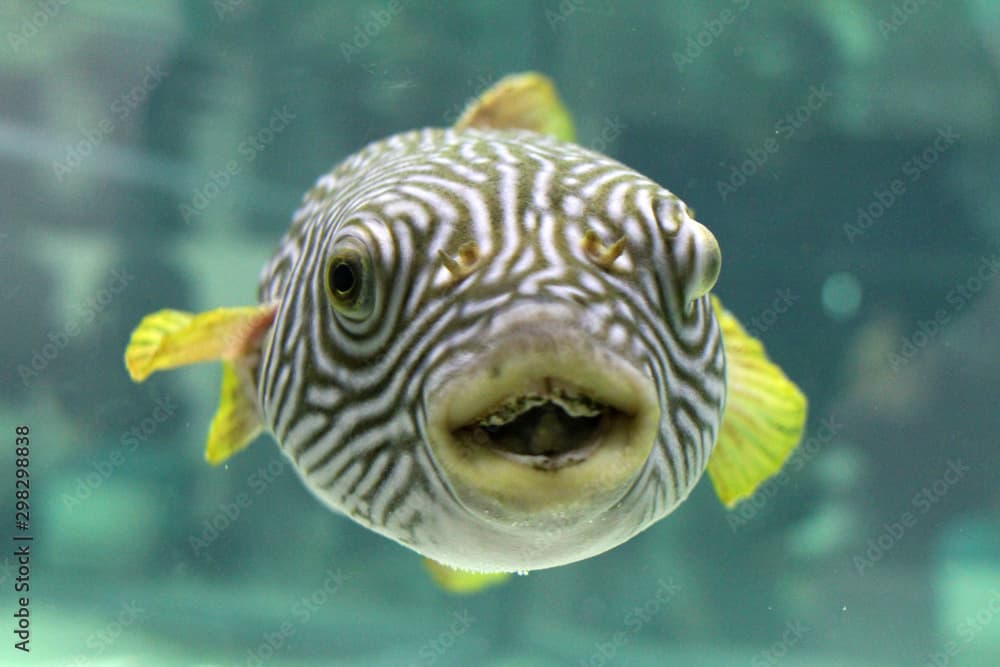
[[503, 486]]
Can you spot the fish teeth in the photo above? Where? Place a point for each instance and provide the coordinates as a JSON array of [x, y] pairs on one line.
[[573, 403], [577, 405]]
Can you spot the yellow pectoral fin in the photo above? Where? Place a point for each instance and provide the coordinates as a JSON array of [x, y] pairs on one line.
[[460, 581], [526, 101], [764, 419], [236, 422], [172, 338]]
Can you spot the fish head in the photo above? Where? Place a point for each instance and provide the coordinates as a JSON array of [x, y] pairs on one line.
[[515, 365]]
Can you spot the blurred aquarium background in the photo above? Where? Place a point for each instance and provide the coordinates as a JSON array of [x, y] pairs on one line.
[[845, 154]]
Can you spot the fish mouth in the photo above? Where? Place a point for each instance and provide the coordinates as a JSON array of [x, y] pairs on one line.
[[545, 424], [548, 424]]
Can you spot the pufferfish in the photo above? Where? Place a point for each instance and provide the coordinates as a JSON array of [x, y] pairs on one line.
[[493, 346]]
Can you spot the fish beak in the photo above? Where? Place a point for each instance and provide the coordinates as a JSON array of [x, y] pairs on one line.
[[543, 424]]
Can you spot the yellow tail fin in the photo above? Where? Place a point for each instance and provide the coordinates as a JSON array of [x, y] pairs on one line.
[[764, 419]]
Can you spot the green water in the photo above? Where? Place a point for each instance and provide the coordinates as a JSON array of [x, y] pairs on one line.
[[843, 153]]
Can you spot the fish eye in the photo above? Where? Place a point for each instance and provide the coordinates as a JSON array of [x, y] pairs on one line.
[[348, 281]]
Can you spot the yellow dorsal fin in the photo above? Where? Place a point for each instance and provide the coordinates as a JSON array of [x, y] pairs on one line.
[[764, 419], [171, 338], [526, 101], [460, 581]]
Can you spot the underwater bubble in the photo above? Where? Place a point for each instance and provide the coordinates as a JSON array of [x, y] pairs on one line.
[[841, 295]]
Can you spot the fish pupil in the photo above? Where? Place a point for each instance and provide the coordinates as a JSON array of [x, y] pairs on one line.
[[343, 278]]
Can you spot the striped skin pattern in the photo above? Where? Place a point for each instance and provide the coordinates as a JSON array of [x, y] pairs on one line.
[[346, 399]]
